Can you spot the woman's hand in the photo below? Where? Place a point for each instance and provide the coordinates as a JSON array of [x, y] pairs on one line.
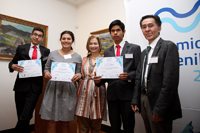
[[47, 75], [76, 77]]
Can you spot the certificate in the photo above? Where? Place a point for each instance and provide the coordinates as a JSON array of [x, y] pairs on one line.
[[32, 68], [109, 67], [62, 71]]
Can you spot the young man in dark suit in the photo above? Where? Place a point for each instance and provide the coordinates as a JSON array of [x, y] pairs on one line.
[[27, 90], [157, 78], [120, 91]]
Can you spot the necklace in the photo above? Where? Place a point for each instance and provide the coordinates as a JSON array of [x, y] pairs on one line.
[[94, 58]]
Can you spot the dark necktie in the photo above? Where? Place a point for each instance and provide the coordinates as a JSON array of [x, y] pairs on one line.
[[118, 50], [34, 56], [144, 68]]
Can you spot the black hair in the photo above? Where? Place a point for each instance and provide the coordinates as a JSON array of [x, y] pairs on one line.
[[155, 17], [38, 29], [70, 33], [116, 22]]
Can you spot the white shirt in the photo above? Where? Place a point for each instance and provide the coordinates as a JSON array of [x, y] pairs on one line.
[[152, 45], [31, 51], [121, 47]]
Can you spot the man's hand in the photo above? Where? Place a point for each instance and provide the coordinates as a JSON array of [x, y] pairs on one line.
[[97, 79], [135, 108], [124, 76], [157, 118], [76, 77], [17, 67]]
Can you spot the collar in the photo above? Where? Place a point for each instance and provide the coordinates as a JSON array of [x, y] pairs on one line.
[[153, 44], [34, 45], [121, 44]]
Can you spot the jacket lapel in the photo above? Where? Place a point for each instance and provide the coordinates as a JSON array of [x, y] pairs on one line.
[[27, 48], [125, 48], [142, 57], [112, 51], [41, 51], [155, 52]]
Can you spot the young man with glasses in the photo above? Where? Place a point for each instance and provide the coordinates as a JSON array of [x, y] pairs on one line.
[[27, 90]]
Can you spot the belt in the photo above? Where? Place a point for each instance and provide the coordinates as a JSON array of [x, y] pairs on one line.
[[94, 91], [88, 78], [144, 91]]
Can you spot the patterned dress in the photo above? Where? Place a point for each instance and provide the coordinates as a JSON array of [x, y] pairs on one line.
[[59, 101], [91, 101]]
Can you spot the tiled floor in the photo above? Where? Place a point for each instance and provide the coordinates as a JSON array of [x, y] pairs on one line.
[[90, 132], [78, 131]]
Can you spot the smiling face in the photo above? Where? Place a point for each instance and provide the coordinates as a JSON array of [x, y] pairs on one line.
[[94, 46], [117, 34], [150, 29], [66, 41], [36, 37]]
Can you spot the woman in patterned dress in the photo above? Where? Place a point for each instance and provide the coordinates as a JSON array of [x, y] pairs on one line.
[[59, 101], [91, 101]]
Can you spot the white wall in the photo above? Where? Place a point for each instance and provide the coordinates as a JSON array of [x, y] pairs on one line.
[[96, 15], [58, 16]]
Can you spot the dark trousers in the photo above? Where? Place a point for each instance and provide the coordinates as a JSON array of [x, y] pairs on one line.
[[120, 112], [25, 105], [151, 126]]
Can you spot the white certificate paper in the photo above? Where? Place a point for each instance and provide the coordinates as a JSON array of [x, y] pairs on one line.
[[109, 67], [32, 68], [62, 71]]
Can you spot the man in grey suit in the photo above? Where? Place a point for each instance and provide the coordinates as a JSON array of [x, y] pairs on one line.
[[157, 78], [120, 91]]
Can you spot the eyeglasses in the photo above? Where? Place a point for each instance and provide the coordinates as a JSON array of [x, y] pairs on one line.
[[39, 35]]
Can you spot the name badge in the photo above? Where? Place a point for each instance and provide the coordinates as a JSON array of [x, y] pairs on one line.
[[68, 56], [153, 59], [128, 55]]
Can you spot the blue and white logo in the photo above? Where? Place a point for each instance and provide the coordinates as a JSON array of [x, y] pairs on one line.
[[178, 15]]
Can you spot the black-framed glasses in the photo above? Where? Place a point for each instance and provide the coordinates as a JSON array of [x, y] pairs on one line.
[[39, 35]]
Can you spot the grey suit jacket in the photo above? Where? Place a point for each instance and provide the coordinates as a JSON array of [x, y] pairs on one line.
[[162, 81], [24, 84], [123, 89]]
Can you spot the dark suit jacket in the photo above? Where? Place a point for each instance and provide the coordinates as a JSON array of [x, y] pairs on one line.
[[162, 81], [123, 89], [24, 84]]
